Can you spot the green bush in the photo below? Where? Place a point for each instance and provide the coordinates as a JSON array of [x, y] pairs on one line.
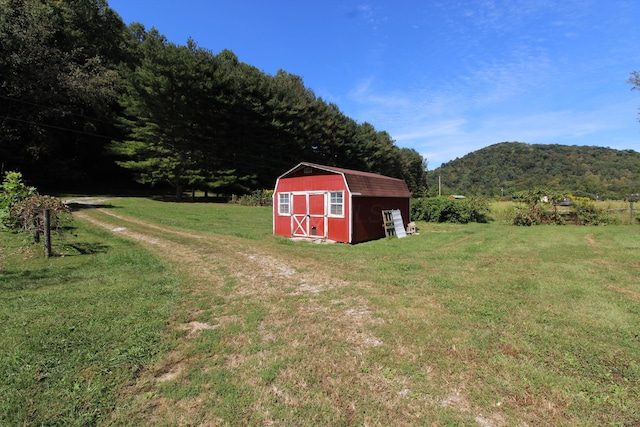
[[13, 191], [23, 209], [588, 214], [256, 198], [538, 213], [524, 218], [445, 209]]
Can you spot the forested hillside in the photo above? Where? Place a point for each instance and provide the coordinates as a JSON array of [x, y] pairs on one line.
[[84, 99], [508, 167]]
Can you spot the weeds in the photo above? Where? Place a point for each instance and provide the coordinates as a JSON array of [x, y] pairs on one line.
[[444, 209]]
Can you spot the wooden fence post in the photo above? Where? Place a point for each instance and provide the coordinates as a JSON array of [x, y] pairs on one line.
[[632, 214], [36, 231], [47, 233]]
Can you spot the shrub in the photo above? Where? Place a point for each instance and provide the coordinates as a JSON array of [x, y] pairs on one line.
[[22, 208], [256, 198], [13, 191], [28, 214], [588, 214], [524, 217], [444, 209], [533, 210], [538, 213]]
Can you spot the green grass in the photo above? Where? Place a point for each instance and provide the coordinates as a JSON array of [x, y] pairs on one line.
[[77, 328], [459, 324], [215, 218]]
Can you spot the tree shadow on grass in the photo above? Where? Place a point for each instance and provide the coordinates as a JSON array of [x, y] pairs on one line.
[[11, 281], [32, 279], [189, 199], [78, 206], [81, 248]]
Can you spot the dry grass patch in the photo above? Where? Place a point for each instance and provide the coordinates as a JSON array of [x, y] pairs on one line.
[[632, 295]]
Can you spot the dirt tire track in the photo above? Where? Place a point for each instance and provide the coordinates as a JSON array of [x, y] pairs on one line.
[[259, 275], [248, 264], [149, 225]]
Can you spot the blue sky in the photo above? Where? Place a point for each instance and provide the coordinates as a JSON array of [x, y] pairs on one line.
[[444, 77]]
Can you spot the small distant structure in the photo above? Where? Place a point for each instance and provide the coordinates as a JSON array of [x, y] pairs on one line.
[[635, 197], [564, 202], [457, 197], [324, 202]]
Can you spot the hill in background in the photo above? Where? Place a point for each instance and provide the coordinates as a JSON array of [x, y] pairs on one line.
[[505, 168]]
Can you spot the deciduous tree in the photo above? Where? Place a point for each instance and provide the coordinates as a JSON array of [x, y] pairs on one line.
[[59, 85]]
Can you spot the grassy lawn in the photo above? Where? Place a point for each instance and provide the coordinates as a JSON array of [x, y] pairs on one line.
[[481, 324], [78, 328]]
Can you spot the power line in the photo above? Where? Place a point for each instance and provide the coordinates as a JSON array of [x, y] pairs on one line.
[[31, 122], [51, 108], [240, 158]]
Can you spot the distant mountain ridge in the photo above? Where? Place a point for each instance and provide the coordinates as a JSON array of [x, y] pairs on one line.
[[505, 168]]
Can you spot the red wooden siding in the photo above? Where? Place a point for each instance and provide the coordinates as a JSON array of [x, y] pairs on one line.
[[367, 216], [337, 229], [310, 186]]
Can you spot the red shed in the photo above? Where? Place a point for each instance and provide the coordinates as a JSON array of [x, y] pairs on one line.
[[337, 204]]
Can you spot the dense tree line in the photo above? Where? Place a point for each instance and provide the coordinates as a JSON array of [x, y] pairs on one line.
[[510, 167], [59, 84], [81, 93]]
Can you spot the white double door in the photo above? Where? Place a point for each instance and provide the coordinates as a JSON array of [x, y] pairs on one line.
[[309, 218]]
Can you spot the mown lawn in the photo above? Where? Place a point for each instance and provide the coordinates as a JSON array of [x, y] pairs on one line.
[[79, 327], [479, 324]]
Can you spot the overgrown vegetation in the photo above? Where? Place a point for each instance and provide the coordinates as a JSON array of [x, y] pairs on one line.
[[255, 198], [587, 213], [28, 214], [541, 206], [13, 191], [446, 209], [23, 209]]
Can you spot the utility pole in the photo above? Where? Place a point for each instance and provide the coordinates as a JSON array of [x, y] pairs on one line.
[[439, 186]]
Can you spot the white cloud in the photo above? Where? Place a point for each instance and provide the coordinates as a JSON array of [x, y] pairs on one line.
[[523, 71], [435, 130], [443, 140]]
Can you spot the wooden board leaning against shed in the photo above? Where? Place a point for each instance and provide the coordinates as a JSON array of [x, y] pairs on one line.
[[392, 223]]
